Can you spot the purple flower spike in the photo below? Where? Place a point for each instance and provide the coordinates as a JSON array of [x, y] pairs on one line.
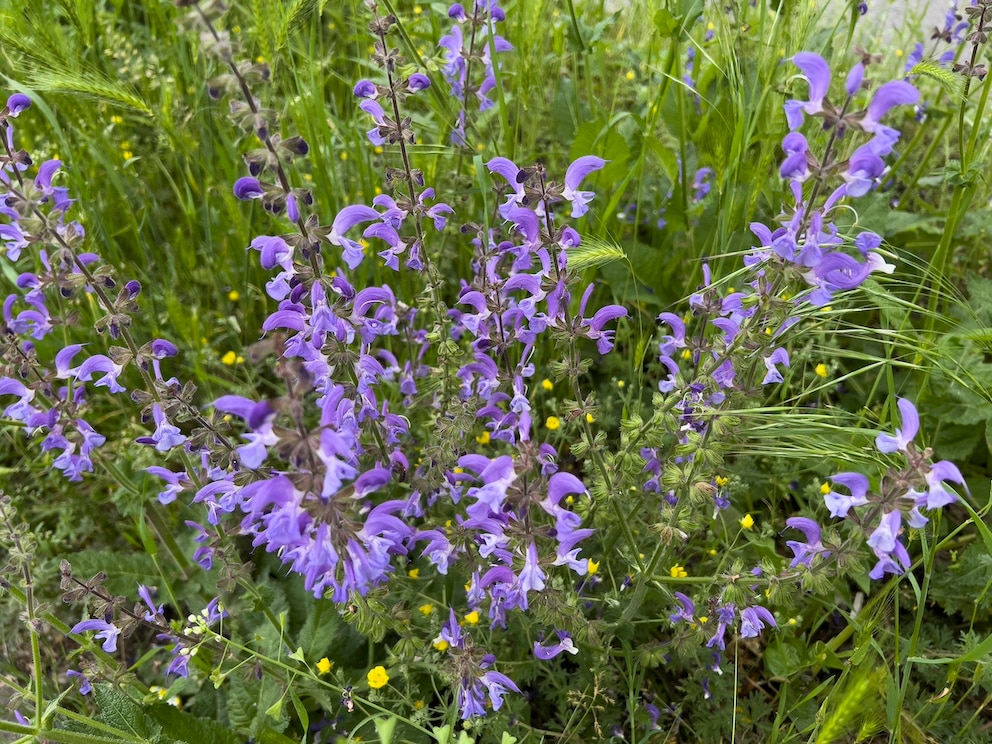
[[17, 103], [576, 172], [248, 188], [910, 426], [686, 611]]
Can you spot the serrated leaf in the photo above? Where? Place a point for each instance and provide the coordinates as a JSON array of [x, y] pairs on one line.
[[183, 727], [124, 570], [124, 714]]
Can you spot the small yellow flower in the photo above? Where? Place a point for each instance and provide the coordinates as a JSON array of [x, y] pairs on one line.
[[456, 470], [552, 423], [570, 499], [426, 609], [233, 295], [821, 370], [703, 619], [592, 567], [712, 551], [483, 438], [589, 418], [678, 572], [413, 573], [710, 26], [747, 521], [127, 154], [630, 75], [547, 384], [441, 645], [377, 150], [898, 52], [417, 10], [686, 355], [116, 119], [472, 618], [768, 331], [621, 384], [324, 666], [792, 621], [825, 488], [419, 705], [343, 155], [378, 678], [229, 358], [722, 481]]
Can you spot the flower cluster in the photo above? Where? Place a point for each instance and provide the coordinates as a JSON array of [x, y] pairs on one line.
[[472, 40], [900, 496]]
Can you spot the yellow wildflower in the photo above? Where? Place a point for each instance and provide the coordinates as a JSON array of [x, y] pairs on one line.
[[233, 295], [547, 384], [678, 572], [377, 677], [483, 438], [472, 618], [821, 370], [552, 423], [589, 418], [426, 609], [441, 645], [747, 521], [413, 573], [324, 666], [592, 567]]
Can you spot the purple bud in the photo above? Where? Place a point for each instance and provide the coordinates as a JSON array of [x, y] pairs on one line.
[[418, 82], [365, 89], [133, 288], [17, 103], [248, 188]]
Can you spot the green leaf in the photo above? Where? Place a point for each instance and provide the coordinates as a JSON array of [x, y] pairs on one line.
[[665, 22], [385, 728], [183, 727], [123, 713], [783, 659], [124, 570]]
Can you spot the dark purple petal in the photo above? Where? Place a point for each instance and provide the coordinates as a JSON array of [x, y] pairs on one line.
[[18, 103], [248, 188], [418, 82], [365, 89]]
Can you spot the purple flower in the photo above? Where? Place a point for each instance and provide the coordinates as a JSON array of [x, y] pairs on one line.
[[910, 426], [17, 103], [817, 73], [105, 630], [883, 538], [365, 89], [686, 611], [838, 503], [531, 575], [753, 620], [938, 496], [576, 172], [248, 188], [346, 219], [85, 686], [779, 356], [807, 551], [497, 685], [550, 651], [418, 82]]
